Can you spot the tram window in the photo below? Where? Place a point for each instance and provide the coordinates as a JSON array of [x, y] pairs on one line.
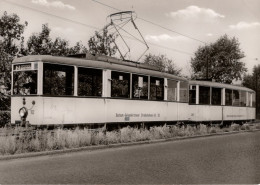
[[25, 82], [192, 94], [157, 88], [242, 98], [228, 97], [140, 87], [58, 79], [248, 99], [235, 98], [216, 96], [172, 90], [120, 85], [253, 99], [89, 82], [184, 92], [204, 95]]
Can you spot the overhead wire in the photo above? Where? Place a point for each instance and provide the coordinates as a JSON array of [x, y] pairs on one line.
[[66, 19], [157, 45], [168, 29], [87, 25], [107, 5], [155, 24]]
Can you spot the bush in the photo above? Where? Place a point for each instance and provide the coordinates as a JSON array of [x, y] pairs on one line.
[[235, 127], [189, 131], [247, 126], [160, 132], [203, 129], [5, 118], [113, 137], [213, 130], [8, 145]]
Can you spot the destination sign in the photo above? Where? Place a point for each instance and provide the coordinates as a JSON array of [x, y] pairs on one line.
[[21, 67]]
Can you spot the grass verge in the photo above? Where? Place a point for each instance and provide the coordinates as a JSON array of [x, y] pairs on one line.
[[14, 141]]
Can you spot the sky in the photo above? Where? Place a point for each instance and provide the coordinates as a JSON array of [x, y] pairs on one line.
[[175, 28]]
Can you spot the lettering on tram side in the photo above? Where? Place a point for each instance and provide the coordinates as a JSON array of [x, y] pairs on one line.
[[141, 115], [237, 116]]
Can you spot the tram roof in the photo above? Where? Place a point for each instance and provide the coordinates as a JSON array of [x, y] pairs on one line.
[[219, 85], [101, 62]]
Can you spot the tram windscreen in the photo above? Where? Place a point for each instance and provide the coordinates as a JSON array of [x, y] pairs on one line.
[[25, 82]]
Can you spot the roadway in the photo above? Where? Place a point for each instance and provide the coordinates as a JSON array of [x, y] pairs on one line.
[[229, 159]]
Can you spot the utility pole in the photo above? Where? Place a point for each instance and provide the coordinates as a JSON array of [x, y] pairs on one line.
[[256, 94], [207, 72], [256, 91], [207, 62]]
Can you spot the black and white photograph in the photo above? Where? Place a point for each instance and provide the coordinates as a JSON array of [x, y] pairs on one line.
[[129, 92]]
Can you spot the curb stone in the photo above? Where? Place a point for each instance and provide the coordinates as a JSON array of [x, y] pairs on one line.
[[119, 145]]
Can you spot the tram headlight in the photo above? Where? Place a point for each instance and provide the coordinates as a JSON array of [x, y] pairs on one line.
[[23, 112]]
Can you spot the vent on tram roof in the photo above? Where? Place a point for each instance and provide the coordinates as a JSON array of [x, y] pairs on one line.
[[90, 56], [205, 79], [82, 55]]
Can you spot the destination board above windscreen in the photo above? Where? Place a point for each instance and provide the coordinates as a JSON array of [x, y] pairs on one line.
[[24, 67]]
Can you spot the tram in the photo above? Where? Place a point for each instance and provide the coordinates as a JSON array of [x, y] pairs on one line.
[[217, 102], [86, 89]]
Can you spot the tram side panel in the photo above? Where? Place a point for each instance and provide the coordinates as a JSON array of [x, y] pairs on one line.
[[98, 110], [73, 110], [201, 113], [62, 110], [251, 113], [59, 110], [33, 105], [231, 113], [182, 112], [141, 111]]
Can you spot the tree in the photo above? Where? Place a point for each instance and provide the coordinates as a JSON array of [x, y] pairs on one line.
[[252, 82], [163, 63], [78, 48], [11, 31], [102, 43], [42, 44], [219, 61]]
